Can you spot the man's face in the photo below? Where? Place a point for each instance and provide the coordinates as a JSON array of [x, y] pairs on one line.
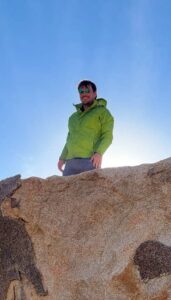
[[86, 94]]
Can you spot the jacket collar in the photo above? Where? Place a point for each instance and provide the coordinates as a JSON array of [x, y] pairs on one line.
[[97, 102]]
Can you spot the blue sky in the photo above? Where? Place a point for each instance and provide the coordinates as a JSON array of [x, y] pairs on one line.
[[47, 47]]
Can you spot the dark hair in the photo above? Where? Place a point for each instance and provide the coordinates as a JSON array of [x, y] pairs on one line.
[[86, 83]]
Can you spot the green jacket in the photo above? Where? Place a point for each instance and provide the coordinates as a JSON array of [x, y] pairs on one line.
[[89, 131]]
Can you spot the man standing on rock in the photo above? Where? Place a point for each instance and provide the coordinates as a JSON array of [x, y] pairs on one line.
[[90, 132]]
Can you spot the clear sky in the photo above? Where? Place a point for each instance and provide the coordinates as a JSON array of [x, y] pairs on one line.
[[47, 47]]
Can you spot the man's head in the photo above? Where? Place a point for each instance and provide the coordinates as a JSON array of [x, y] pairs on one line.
[[87, 91]]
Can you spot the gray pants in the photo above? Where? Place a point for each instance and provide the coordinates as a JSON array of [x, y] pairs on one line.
[[77, 165]]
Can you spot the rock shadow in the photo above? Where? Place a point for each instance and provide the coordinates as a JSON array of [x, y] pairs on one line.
[[16, 249], [17, 257], [153, 259]]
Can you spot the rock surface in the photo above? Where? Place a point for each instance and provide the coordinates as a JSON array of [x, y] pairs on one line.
[[9, 186], [100, 235]]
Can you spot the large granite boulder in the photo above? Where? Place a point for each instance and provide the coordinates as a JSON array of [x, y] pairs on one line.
[[100, 235]]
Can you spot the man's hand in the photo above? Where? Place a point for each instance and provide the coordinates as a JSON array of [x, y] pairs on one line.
[[96, 160], [61, 162]]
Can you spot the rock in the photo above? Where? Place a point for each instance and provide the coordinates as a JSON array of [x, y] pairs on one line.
[[8, 186], [16, 250], [17, 256], [100, 235]]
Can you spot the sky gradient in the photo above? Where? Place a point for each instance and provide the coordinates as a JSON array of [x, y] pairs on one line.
[[46, 48]]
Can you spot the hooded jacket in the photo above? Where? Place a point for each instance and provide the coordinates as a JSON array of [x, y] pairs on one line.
[[90, 131]]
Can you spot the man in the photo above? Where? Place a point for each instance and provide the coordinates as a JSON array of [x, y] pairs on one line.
[[90, 132]]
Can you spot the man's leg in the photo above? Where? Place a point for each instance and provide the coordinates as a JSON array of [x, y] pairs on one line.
[[70, 168], [77, 165], [85, 164]]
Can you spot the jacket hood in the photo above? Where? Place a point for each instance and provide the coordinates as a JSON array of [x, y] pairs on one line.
[[97, 102]]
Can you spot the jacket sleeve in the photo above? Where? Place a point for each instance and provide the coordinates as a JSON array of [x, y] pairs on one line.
[[106, 137], [64, 151]]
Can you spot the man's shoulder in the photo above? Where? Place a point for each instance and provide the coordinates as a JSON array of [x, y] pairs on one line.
[[101, 103], [73, 115], [103, 109], [104, 113]]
